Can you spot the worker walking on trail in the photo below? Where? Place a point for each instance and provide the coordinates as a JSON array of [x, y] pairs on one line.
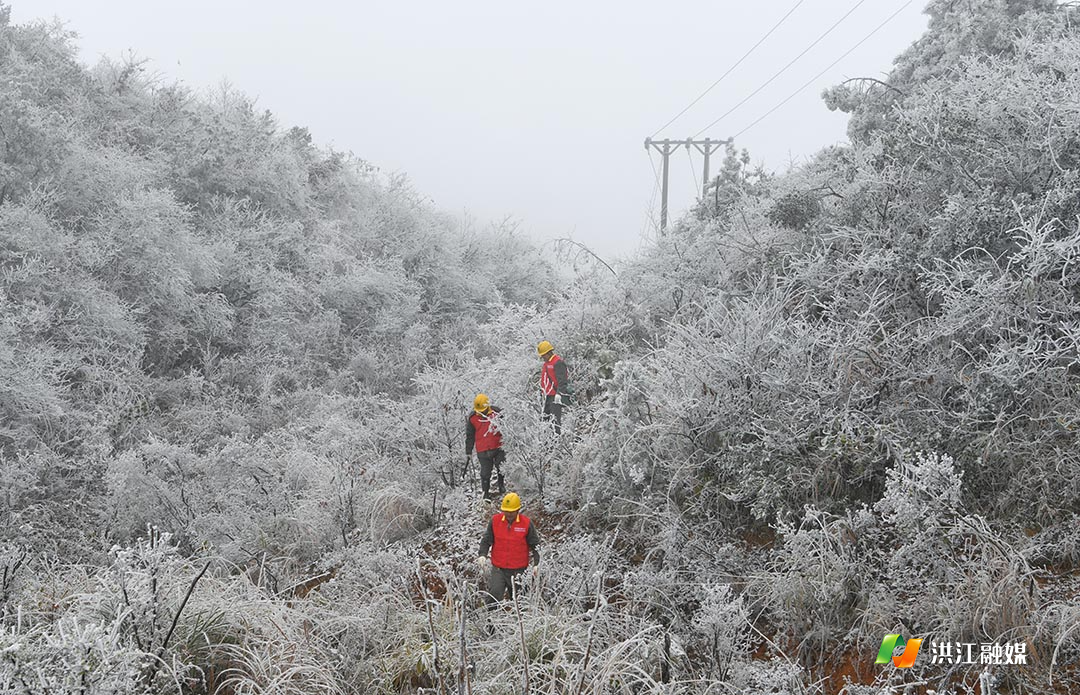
[[482, 431], [512, 539], [554, 382]]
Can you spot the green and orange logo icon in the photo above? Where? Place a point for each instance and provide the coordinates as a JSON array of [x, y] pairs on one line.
[[905, 660]]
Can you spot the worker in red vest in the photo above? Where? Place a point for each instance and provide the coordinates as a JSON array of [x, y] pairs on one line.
[[512, 540], [554, 382], [482, 431]]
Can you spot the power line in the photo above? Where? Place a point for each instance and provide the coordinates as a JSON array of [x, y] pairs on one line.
[[656, 174], [650, 218], [783, 69], [830, 67], [728, 71], [652, 200]]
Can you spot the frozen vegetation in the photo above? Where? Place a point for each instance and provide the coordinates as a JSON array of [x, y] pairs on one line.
[[827, 406]]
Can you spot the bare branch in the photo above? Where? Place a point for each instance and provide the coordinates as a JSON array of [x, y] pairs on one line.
[[587, 250], [878, 82]]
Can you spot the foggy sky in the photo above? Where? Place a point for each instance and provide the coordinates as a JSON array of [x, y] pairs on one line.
[[535, 111]]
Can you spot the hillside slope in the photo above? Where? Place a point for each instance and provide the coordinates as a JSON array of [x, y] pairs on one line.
[[829, 405]]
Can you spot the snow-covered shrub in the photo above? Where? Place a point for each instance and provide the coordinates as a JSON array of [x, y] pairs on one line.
[[971, 579], [573, 569], [73, 655], [819, 584], [396, 515], [777, 675], [721, 628], [922, 492], [130, 629]]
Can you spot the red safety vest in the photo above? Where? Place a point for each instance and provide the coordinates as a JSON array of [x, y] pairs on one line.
[[510, 551], [487, 432], [548, 382]]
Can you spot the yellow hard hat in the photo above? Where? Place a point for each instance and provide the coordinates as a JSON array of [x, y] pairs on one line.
[[481, 403], [510, 502], [544, 347]]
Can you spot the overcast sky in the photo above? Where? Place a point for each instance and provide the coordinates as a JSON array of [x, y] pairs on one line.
[[533, 110]]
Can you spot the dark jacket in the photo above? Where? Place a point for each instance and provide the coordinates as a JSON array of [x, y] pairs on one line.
[[470, 431], [561, 377], [532, 538]]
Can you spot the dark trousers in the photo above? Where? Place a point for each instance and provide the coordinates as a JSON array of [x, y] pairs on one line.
[[553, 411], [501, 584], [491, 460]]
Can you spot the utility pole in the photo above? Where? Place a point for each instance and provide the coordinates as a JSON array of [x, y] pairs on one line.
[[706, 147], [665, 147]]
